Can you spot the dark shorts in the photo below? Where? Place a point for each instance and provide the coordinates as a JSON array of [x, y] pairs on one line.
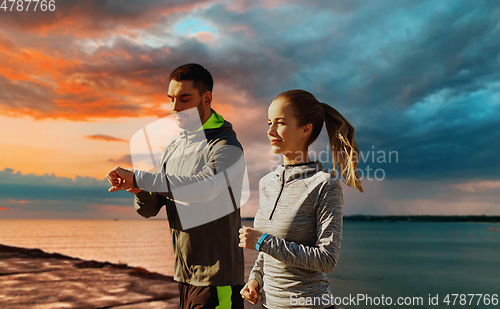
[[210, 297]]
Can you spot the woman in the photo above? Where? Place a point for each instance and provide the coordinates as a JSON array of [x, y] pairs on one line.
[[298, 227]]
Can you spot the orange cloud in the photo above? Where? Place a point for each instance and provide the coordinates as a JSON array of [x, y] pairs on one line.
[[125, 160], [91, 19], [478, 186], [3, 208], [42, 84], [31, 65], [146, 58], [47, 82], [14, 201], [205, 37], [72, 87], [107, 138]]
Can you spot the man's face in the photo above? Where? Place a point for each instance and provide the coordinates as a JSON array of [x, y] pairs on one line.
[[186, 104]]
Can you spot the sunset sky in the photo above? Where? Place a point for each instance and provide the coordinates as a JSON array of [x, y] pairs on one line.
[[416, 78]]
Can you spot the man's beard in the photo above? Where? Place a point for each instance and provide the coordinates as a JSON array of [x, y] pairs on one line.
[[193, 118]]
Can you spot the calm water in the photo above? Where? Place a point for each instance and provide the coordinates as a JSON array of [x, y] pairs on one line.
[[397, 260], [377, 258], [145, 243]]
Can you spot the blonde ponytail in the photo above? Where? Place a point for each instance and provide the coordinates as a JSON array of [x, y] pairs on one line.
[[344, 148]]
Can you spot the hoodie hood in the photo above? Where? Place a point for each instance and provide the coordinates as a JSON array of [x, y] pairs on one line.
[[213, 122], [216, 123]]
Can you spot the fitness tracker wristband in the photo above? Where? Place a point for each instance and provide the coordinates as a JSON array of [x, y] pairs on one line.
[[260, 241]]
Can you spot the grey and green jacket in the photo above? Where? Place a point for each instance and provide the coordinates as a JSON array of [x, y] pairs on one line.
[[300, 207], [199, 181]]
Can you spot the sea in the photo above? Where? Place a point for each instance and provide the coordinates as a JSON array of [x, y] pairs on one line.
[[381, 264]]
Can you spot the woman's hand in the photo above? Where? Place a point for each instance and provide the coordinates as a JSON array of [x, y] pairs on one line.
[[250, 290], [249, 237], [121, 179]]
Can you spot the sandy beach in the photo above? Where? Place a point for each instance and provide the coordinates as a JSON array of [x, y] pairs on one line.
[[32, 278]]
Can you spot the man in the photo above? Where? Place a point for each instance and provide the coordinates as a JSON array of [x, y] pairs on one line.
[[199, 181]]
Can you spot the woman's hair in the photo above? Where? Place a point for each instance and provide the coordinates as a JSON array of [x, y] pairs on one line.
[[307, 109]]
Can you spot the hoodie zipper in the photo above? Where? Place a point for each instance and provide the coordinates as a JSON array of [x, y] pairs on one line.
[[282, 186], [183, 156]]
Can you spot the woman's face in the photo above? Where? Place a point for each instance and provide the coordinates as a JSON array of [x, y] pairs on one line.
[[283, 133]]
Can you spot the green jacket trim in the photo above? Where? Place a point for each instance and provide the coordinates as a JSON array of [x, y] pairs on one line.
[[215, 121]]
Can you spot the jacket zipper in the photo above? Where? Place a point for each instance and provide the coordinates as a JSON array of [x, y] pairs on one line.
[[183, 152], [276, 204]]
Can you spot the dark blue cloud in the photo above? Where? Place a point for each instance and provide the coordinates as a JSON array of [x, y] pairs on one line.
[[420, 78], [50, 192]]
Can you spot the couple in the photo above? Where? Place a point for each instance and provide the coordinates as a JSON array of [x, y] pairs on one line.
[[298, 227]]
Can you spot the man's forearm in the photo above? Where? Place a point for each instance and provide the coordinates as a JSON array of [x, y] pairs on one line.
[[146, 204]]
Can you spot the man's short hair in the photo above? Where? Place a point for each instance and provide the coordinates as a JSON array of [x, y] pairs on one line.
[[202, 79]]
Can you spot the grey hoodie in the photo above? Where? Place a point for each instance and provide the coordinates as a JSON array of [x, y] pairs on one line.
[[300, 206], [206, 254]]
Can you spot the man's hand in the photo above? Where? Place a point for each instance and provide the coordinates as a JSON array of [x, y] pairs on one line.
[[134, 190], [249, 237], [121, 179], [250, 290]]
